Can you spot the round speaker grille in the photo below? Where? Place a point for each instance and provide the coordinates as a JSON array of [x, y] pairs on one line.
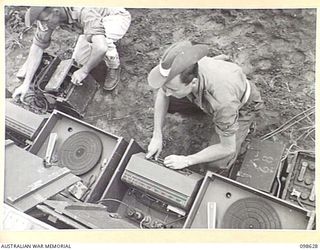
[[251, 213], [80, 152]]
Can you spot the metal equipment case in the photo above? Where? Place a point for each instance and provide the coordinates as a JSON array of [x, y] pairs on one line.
[[135, 204], [261, 165], [100, 173], [224, 203], [22, 125], [28, 182], [300, 186], [55, 79]]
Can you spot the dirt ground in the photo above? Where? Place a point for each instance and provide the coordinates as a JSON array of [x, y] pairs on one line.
[[275, 48]]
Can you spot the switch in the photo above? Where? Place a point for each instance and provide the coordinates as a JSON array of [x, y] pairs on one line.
[[138, 215], [312, 194], [308, 181], [303, 169], [304, 195]]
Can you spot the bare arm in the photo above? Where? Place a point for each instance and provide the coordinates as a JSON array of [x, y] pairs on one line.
[[99, 49], [160, 111], [226, 147], [30, 68], [33, 62]]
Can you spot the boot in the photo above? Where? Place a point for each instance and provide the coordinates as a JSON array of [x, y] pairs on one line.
[[112, 79]]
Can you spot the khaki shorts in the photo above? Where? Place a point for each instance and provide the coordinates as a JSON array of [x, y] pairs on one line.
[[115, 28]]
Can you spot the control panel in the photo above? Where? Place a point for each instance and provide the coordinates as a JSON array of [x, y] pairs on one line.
[[300, 182], [177, 188]]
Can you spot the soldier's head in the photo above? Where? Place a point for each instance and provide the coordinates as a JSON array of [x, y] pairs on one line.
[[177, 73], [46, 17]]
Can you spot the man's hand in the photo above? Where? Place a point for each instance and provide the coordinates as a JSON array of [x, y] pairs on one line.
[[21, 90], [177, 161], [155, 147], [78, 76]]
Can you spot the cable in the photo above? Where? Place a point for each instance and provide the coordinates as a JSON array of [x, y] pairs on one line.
[[279, 188], [140, 224], [282, 127], [285, 128], [36, 82], [115, 200], [165, 218], [175, 221], [149, 201], [288, 151], [293, 118], [146, 218], [91, 181], [305, 134], [300, 203], [279, 169], [33, 101], [27, 147]]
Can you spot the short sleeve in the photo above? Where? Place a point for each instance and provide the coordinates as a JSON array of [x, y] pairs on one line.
[[42, 38], [226, 119]]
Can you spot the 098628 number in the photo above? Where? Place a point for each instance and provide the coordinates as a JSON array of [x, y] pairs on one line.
[[308, 246]]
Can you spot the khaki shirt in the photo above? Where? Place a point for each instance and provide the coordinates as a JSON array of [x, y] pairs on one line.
[[87, 21], [222, 86]]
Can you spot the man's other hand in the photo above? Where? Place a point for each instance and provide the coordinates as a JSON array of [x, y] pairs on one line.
[[78, 76], [154, 148], [20, 91], [177, 161]]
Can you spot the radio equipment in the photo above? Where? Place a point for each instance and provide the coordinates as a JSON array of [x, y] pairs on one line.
[[55, 79], [22, 126], [300, 181], [88, 152], [261, 164], [53, 89], [225, 203], [149, 195], [177, 188]]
